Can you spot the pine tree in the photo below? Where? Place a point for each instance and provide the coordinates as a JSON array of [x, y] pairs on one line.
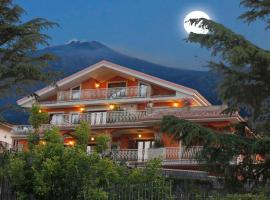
[[20, 65], [245, 86]]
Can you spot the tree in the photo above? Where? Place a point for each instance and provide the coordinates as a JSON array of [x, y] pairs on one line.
[[49, 170], [20, 65], [102, 143], [245, 86], [37, 117]]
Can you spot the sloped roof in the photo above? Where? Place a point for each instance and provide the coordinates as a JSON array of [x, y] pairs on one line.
[[131, 72], [196, 113]]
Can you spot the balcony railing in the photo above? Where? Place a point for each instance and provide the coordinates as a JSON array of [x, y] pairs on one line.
[[22, 129], [167, 155], [104, 93], [97, 118]]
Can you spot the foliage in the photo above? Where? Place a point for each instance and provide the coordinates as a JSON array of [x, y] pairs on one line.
[[220, 151], [37, 117], [247, 196], [102, 143], [19, 63], [81, 134], [257, 10], [245, 68], [49, 170]]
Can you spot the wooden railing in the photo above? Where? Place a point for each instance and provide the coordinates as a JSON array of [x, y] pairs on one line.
[[104, 93], [166, 154], [98, 118]]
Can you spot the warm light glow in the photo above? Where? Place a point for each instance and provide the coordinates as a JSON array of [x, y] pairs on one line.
[[175, 104], [139, 135], [82, 109], [97, 85], [71, 142], [92, 139], [111, 107], [195, 28], [39, 110], [42, 142]]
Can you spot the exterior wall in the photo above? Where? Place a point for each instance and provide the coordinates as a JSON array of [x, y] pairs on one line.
[[168, 141], [5, 134], [156, 90], [19, 143], [128, 141], [90, 84]]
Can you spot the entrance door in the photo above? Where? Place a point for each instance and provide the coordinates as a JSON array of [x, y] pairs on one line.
[[143, 147]]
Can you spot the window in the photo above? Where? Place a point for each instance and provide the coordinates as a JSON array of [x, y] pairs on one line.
[[143, 89], [74, 118], [117, 90], [76, 93], [57, 119]]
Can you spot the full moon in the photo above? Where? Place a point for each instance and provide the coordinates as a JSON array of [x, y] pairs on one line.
[[195, 28]]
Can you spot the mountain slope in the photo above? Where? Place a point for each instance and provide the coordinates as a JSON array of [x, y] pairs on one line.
[[75, 56]]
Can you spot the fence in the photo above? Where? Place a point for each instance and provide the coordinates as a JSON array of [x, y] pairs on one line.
[[147, 191], [6, 192]]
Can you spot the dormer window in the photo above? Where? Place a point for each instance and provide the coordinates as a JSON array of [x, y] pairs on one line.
[[75, 93]]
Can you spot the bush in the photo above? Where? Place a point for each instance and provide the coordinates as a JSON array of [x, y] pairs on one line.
[[50, 171]]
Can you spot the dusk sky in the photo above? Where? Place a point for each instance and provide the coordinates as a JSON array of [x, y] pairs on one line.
[[148, 29]]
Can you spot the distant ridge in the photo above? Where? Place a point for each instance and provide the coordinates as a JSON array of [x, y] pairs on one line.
[[76, 55]]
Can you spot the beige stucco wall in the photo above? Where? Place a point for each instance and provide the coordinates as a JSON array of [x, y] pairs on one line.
[[5, 134]]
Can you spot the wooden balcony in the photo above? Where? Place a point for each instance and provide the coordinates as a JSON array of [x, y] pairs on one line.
[[104, 93], [97, 118], [168, 155]]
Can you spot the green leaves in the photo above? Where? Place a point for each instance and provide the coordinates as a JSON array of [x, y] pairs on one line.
[[256, 10], [221, 149], [37, 117], [81, 135], [51, 171], [20, 65], [245, 69], [102, 143]]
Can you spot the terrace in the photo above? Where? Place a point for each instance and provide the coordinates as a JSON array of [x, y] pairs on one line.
[[168, 155], [104, 93]]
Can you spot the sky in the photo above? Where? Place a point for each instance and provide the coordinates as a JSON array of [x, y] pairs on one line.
[[147, 29]]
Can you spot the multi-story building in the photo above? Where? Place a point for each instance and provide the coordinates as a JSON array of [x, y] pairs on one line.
[[128, 106]]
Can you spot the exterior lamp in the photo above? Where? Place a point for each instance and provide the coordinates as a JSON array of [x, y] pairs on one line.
[[97, 85], [111, 106], [92, 138], [139, 135], [175, 104], [42, 142], [71, 142], [39, 110], [82, 109]]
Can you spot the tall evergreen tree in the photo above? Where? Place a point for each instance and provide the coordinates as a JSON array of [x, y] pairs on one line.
[[19, 63], [245, 86]]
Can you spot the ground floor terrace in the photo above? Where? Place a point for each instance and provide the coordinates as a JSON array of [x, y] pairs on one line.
[[134, 145]]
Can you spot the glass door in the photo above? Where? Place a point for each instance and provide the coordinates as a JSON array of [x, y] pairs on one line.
[[75, 93], [143, 89], [143, 147], [117, 90]]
